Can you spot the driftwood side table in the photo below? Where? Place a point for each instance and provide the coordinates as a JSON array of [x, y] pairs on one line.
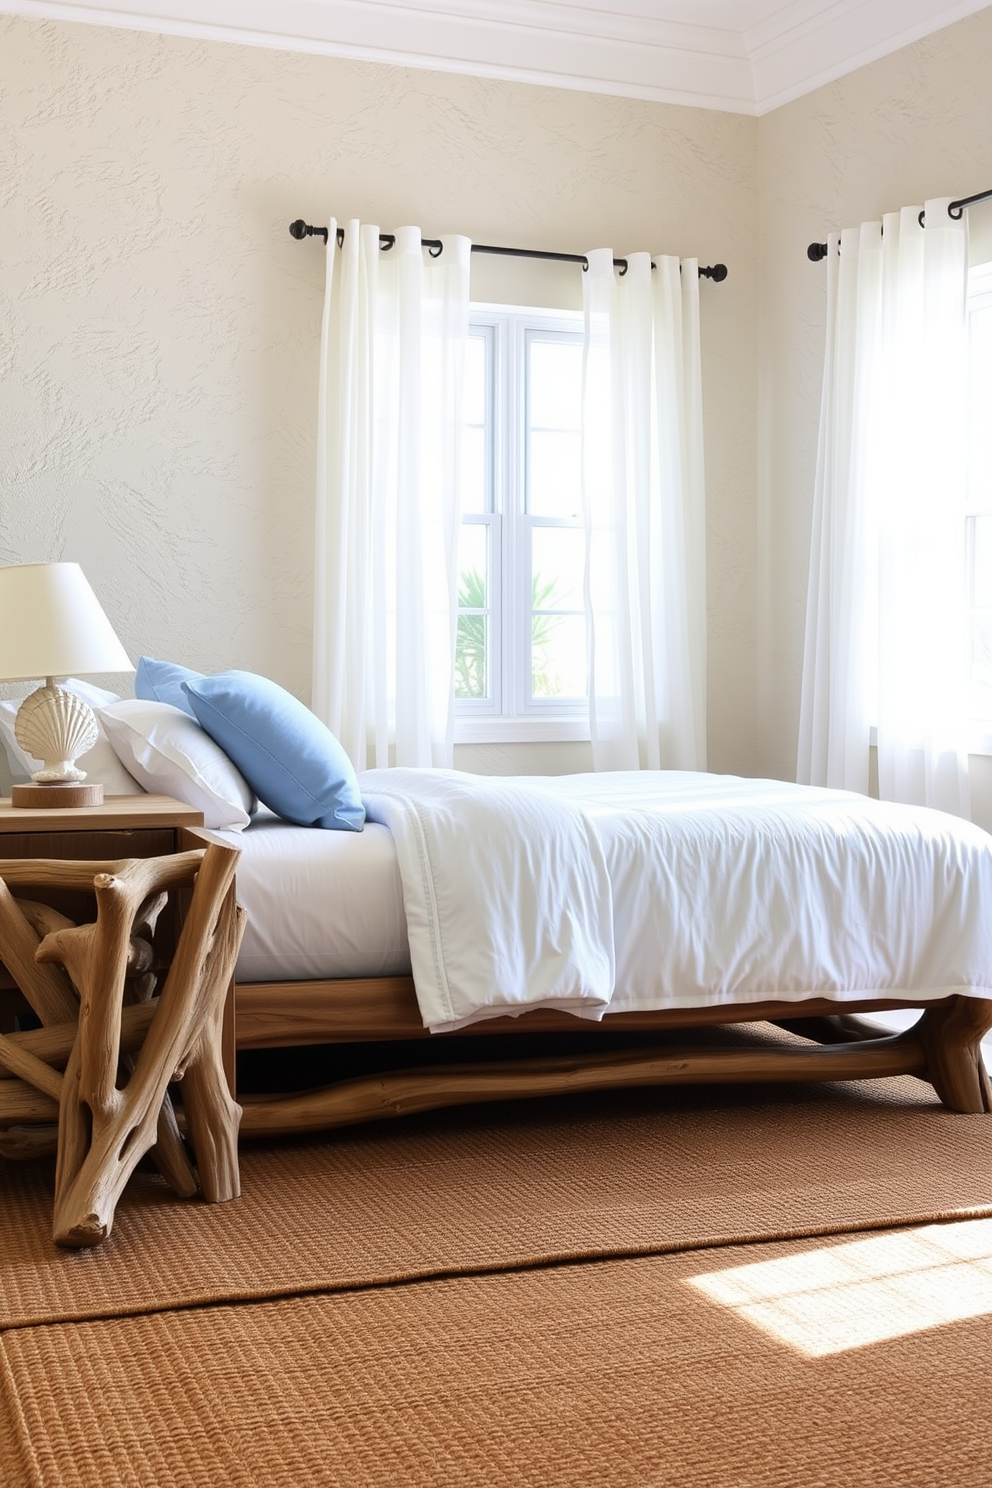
[[121, 1024]]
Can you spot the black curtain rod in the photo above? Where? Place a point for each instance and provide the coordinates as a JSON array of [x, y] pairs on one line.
[[301, 229], [955, 209]]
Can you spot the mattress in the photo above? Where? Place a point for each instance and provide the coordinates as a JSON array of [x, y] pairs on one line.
[[320, 904]]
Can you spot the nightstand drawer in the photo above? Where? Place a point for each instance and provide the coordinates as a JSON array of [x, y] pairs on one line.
[[117, 842]]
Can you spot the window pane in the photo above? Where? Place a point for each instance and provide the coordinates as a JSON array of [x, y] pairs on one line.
[[558, 557], [472, 635], [472, 656], [473, 566], [475, 446], [558, 656], [474, 493], [554, 475], [555, 384]]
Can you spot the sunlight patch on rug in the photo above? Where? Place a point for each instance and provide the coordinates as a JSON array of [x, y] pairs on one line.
[[847, 1296]]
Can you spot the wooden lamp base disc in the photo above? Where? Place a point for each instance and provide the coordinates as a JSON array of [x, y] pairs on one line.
[[57, 796]]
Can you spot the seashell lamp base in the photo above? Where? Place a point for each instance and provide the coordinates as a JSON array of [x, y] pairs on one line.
[[55, 726], [58, 796]]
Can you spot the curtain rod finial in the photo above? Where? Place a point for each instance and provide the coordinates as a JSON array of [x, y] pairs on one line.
[[816, 251], [300, 230]]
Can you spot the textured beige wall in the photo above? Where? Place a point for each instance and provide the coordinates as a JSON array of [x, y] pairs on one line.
[[914, 125], [159, 327]]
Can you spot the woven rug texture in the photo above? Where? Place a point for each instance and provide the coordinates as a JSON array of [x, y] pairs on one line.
[[572, 1292], [495, 1188], [612, 1374]]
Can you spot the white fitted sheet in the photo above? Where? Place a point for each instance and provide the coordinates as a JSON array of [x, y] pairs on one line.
[[320, 904]]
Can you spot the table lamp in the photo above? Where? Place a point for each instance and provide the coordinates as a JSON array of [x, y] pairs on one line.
[[51, 625]]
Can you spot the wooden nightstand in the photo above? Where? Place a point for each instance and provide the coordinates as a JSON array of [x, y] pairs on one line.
[[138, 826], [127, 963]]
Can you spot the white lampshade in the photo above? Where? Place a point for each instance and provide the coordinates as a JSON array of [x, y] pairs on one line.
[[52, 625]]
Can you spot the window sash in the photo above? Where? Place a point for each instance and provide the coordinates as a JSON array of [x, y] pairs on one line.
[[509, 334]]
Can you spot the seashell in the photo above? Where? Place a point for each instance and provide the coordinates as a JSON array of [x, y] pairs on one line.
[[56, 726]]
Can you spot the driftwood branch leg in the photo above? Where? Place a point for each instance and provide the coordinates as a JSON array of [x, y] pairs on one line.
[[29, 1142], [951, 1037], [169, 1152], [46, 988], [22, 1103], [105, 1131], [213, 1117], [402, 1092], [27, 1066], [53, 1044]]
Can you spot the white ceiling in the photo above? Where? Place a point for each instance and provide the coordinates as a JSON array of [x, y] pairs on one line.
[[747, 56]]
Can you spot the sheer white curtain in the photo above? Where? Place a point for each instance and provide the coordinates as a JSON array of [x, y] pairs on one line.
[[393, 340], [644, 507], [886, 624]]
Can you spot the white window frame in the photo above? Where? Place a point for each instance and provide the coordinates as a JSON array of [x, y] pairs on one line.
[[510, 715]]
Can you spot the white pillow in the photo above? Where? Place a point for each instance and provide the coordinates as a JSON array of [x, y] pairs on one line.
[[100, 763], [170, 754]]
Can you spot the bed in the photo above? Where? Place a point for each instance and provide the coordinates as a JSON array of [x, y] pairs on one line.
[[618, 906], [605, 912]]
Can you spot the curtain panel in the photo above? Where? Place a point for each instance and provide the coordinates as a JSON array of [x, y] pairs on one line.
[[393, 337], [886, 619], [644, 505]]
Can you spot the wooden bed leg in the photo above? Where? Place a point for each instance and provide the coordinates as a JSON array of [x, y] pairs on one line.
[[951, 1037]]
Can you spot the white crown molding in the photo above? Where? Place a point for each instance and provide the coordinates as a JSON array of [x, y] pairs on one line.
[[632, 56], [809, 43], [745, 56]]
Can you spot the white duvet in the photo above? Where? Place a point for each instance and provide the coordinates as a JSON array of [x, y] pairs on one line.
[[613, 892]]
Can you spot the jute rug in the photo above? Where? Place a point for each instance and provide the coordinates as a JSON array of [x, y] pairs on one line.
[[609, 1374], [497, 1188], [757, 1288]]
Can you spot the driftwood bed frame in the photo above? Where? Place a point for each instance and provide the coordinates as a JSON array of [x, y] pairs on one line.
[[152, 1012], [942, 1047]]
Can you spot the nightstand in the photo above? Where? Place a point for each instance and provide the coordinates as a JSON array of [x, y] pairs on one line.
[[138, 826], [121, 924]]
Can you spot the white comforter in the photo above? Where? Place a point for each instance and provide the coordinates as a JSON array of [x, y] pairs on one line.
[[648, 890]]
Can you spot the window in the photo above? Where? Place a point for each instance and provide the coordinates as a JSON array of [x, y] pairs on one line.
[[978, 519], [520, 655], [978, 510]]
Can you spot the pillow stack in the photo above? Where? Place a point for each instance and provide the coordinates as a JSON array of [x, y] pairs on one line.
[[219, 742], [167, 751]]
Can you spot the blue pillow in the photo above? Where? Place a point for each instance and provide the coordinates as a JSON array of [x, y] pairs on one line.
[[290, 759], [161, 682]]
